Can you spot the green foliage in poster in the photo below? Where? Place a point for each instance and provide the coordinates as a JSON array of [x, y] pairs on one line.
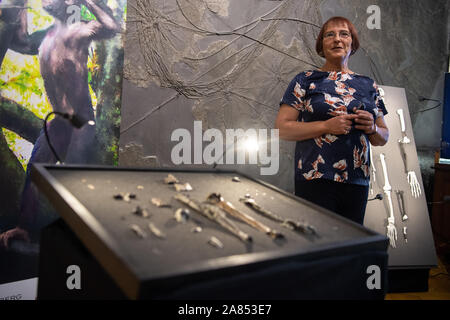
[[18, 146], [86, 15]]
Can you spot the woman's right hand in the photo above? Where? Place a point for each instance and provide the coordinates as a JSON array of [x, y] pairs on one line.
[[340, 124], [293, 130]]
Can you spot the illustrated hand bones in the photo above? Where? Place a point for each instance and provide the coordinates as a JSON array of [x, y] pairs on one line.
[[412, 178], [414, 184], [391, 230]]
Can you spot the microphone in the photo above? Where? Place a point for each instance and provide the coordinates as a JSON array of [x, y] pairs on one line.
[[78, 121]]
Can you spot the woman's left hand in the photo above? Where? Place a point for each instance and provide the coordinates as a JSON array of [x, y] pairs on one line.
[[364, 121]]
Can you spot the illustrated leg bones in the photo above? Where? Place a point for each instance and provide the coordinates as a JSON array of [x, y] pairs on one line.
[[391, 230], [401, 204]]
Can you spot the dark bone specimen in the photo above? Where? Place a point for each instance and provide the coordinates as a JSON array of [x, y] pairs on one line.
[[182, 215], [141, 212]]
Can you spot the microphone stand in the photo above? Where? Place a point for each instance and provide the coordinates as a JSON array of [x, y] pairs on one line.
[[75, 120]]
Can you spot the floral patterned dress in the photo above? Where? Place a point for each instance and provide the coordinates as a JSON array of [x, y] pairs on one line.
[[319, 96]]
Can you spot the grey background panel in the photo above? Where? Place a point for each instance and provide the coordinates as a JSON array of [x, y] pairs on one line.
[[419, 251], [173, 53], [167, 56]]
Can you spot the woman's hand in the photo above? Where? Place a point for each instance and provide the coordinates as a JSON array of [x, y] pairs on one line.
[[365, 121], [293, 130], [340, 125]]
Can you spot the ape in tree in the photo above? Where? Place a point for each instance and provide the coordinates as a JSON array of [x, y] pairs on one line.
[[63, 57], [63, 60]]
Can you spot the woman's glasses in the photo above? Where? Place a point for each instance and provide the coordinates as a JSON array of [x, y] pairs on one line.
[[342, 34]]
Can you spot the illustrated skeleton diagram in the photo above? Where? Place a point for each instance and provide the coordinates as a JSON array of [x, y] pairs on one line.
[[402, 143]]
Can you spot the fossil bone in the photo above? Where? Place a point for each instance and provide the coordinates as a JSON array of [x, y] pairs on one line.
[[217, 199], [170, 179], [124, 196], [182, 187], [287, 223], [197, 229], [182, 215], [215, 242], [160, 204], [142, 212], [138, 231], [158, 233], [214, 214]]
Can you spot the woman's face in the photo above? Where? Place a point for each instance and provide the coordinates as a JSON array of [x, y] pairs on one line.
[[337, 41]]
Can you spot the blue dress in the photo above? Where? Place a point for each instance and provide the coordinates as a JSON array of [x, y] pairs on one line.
[[319, 96]]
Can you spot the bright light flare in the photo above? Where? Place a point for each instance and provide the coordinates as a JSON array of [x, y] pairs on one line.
[[251, 144]]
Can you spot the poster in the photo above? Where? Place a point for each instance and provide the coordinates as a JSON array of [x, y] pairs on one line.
[[56, 56]]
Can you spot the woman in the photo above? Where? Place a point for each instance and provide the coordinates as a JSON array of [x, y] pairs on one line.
[[333, 114]]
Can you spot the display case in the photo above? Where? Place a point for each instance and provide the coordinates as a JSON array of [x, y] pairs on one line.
[[122, 229]]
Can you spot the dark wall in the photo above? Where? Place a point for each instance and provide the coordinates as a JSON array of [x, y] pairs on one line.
[[228, 63]]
